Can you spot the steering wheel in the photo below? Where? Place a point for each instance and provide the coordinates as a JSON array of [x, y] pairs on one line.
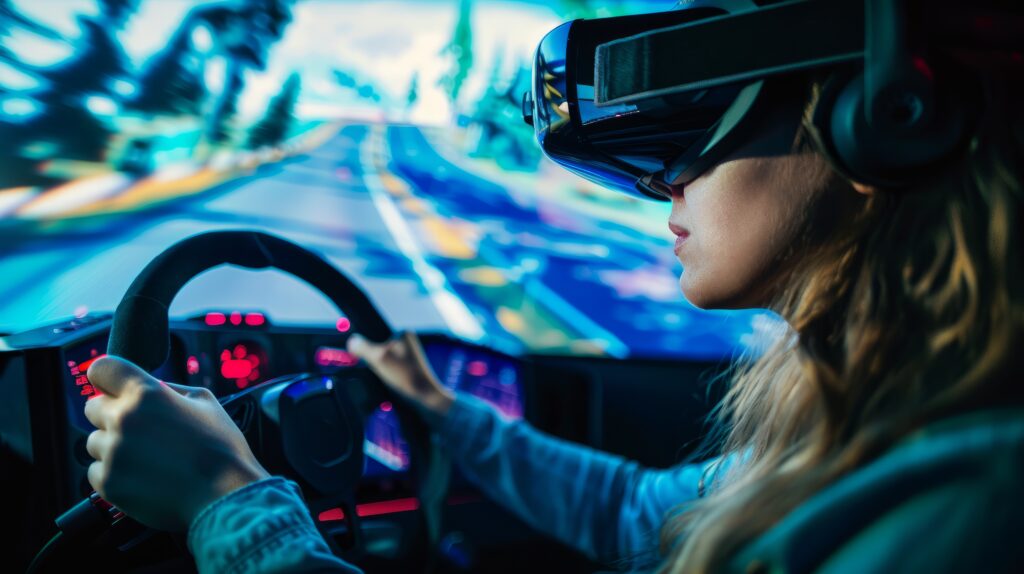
[[307, 427]]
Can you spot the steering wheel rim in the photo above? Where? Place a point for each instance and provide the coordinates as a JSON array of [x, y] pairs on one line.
[[140, 331]]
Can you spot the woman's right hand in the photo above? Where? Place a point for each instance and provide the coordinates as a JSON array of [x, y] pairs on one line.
[[403, 366]]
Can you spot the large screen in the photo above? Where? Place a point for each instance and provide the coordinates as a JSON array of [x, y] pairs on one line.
[[386, 135]]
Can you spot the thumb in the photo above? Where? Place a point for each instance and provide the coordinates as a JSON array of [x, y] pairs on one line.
[[114, 375]]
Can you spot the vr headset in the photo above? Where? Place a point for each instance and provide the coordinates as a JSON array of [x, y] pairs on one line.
[[645, 103]]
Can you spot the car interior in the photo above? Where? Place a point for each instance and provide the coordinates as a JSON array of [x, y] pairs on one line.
[[649, 410], [225, 191]]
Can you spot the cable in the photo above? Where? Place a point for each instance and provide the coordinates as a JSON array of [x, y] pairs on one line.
[[90, 517], [84, 521], [52, 548]]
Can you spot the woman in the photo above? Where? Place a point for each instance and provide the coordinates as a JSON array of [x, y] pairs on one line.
[[884, 432]]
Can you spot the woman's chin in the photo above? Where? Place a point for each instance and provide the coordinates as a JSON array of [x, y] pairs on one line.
[[700, 296], [690, 293]]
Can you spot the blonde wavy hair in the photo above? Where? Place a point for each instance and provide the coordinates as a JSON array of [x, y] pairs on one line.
[[910, 311]]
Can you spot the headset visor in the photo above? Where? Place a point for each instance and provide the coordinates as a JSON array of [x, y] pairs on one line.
[[611, 103]]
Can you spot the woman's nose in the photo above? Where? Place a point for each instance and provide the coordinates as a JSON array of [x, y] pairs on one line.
[[677, 192]]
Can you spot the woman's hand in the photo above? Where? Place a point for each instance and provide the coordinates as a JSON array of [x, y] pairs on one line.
[[403, 366], [163, 451]]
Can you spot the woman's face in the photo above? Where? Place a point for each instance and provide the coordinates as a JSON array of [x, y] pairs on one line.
[[738, 224]]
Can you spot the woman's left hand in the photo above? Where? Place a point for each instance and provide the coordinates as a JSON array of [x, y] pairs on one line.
[[163, 451]]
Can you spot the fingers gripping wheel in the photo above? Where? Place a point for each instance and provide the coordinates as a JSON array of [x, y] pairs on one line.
[[319, 420]]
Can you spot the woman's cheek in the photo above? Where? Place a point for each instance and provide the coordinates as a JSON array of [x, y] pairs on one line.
[[697, 280], [702, 256], [724, 265]]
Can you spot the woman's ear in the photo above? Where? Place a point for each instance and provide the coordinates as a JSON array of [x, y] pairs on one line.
[[863, 188]]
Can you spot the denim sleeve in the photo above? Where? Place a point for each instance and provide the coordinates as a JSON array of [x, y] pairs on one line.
[[604, 505], [263, 527]]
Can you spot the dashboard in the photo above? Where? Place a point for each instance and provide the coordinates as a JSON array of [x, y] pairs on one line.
[[230, 352], [226, 352], [623, 407]]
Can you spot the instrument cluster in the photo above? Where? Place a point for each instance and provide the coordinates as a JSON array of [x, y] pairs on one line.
[[232, 350]]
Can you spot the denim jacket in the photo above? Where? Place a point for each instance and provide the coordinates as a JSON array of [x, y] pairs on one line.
[[947, 499], [606, 506]]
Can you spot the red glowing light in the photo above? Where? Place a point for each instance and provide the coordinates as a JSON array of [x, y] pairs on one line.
[[192, 365], [236, 369], [334, 357], [373, 509], [240, 364], [922, 66], [78, 371], [255, 319], [332, 514], [214, 319], [86, 364], [343, 325], [387, 507], [477, 368], [236, 318], [385, 406]]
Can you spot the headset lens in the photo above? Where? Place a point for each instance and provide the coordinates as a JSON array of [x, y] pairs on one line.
[[626, 146], [618, 146]]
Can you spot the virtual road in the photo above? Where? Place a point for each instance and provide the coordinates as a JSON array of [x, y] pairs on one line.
[[437, 244]]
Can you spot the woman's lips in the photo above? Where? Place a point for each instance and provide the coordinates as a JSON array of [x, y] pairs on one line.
[[680, 239], [681, 235]]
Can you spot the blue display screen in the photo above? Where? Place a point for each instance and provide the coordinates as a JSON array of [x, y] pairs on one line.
[[386, 136], [492, 377]]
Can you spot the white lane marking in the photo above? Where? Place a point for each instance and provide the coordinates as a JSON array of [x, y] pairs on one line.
[[547, 296], [459, 318]]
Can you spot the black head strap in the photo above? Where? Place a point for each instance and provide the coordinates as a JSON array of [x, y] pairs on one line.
[[778, 39]]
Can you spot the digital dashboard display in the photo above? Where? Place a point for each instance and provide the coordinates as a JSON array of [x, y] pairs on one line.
[[485, 375], [490, 376], [77, 360], [240, 365]]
